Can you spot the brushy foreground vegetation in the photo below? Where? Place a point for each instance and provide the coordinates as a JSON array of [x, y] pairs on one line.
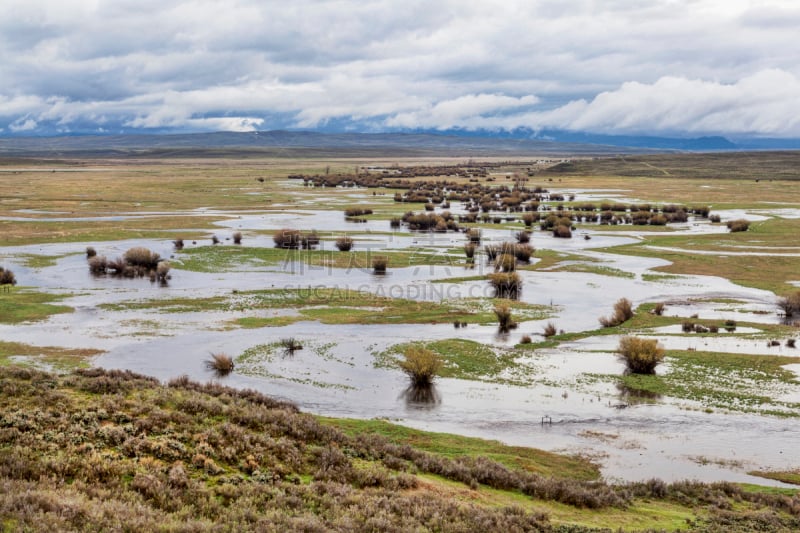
[[110, 450]]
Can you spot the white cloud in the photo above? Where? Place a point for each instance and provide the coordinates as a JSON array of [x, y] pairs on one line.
[[617, 65], [26, 124]]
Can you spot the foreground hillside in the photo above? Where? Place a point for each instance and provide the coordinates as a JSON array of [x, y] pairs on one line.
[[108, 450]]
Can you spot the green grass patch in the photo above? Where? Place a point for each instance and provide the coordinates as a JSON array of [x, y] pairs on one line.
[[594, 269], [452, 446], [787, 476], [339, 306], [50, 357], [736, 382], [20, 304], [466, 359], [237, 258]]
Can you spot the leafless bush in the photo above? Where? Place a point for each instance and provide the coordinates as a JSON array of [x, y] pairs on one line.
[[623, 310], [549, 330]]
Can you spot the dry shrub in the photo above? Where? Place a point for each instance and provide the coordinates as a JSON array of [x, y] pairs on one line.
[[526, 339], [523, 237], [562, 232], [641, 356], [287, 238], [90, 252], [506, 263], [659, 308], [421, 365], [506, 284], [7, 277], [237, 237], [469, 250], [178, 243], [141, 257], [503, 314], [162, 271], [623, 310], [379, 264], [738, 225], [790, 304], [221, 363], [550, 330], [290, 345], [474, 236], [523, 252], [344, 243]]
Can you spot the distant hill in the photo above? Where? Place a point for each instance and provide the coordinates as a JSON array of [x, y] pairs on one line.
[[294, 144]]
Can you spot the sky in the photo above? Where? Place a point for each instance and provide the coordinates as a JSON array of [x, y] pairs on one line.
[[656, 67]]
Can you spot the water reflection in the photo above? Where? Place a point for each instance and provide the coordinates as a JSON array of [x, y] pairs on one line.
[[632, 396], [421, 396]]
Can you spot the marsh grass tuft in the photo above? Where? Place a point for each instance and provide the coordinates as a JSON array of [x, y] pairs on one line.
[[549, 330], [790, 304], [237, 237]]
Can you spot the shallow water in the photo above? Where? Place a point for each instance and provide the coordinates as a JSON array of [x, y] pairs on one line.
[[632, 440]]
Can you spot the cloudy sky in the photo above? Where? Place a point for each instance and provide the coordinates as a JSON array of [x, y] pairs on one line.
[[665, 67]]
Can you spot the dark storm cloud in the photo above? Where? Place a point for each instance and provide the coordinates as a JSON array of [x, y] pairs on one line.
[[704, 66]]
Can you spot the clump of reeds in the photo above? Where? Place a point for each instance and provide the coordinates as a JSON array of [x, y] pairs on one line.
[[623, 310], [237, 237], [220, 363], [659, 309], [421, 365], [90, 252], [549, 330], [394, 223], [526, 339], [504, 318], [344, 243], [641, 356], [562, 231], [790, 343], [178, 243], [215, 240], [379, 264], [162, 271], [523, 237]]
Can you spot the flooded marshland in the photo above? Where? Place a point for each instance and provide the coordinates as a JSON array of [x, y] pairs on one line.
[[567, 393]]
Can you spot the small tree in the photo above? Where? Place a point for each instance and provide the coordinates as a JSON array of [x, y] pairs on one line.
[[641, 356]]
